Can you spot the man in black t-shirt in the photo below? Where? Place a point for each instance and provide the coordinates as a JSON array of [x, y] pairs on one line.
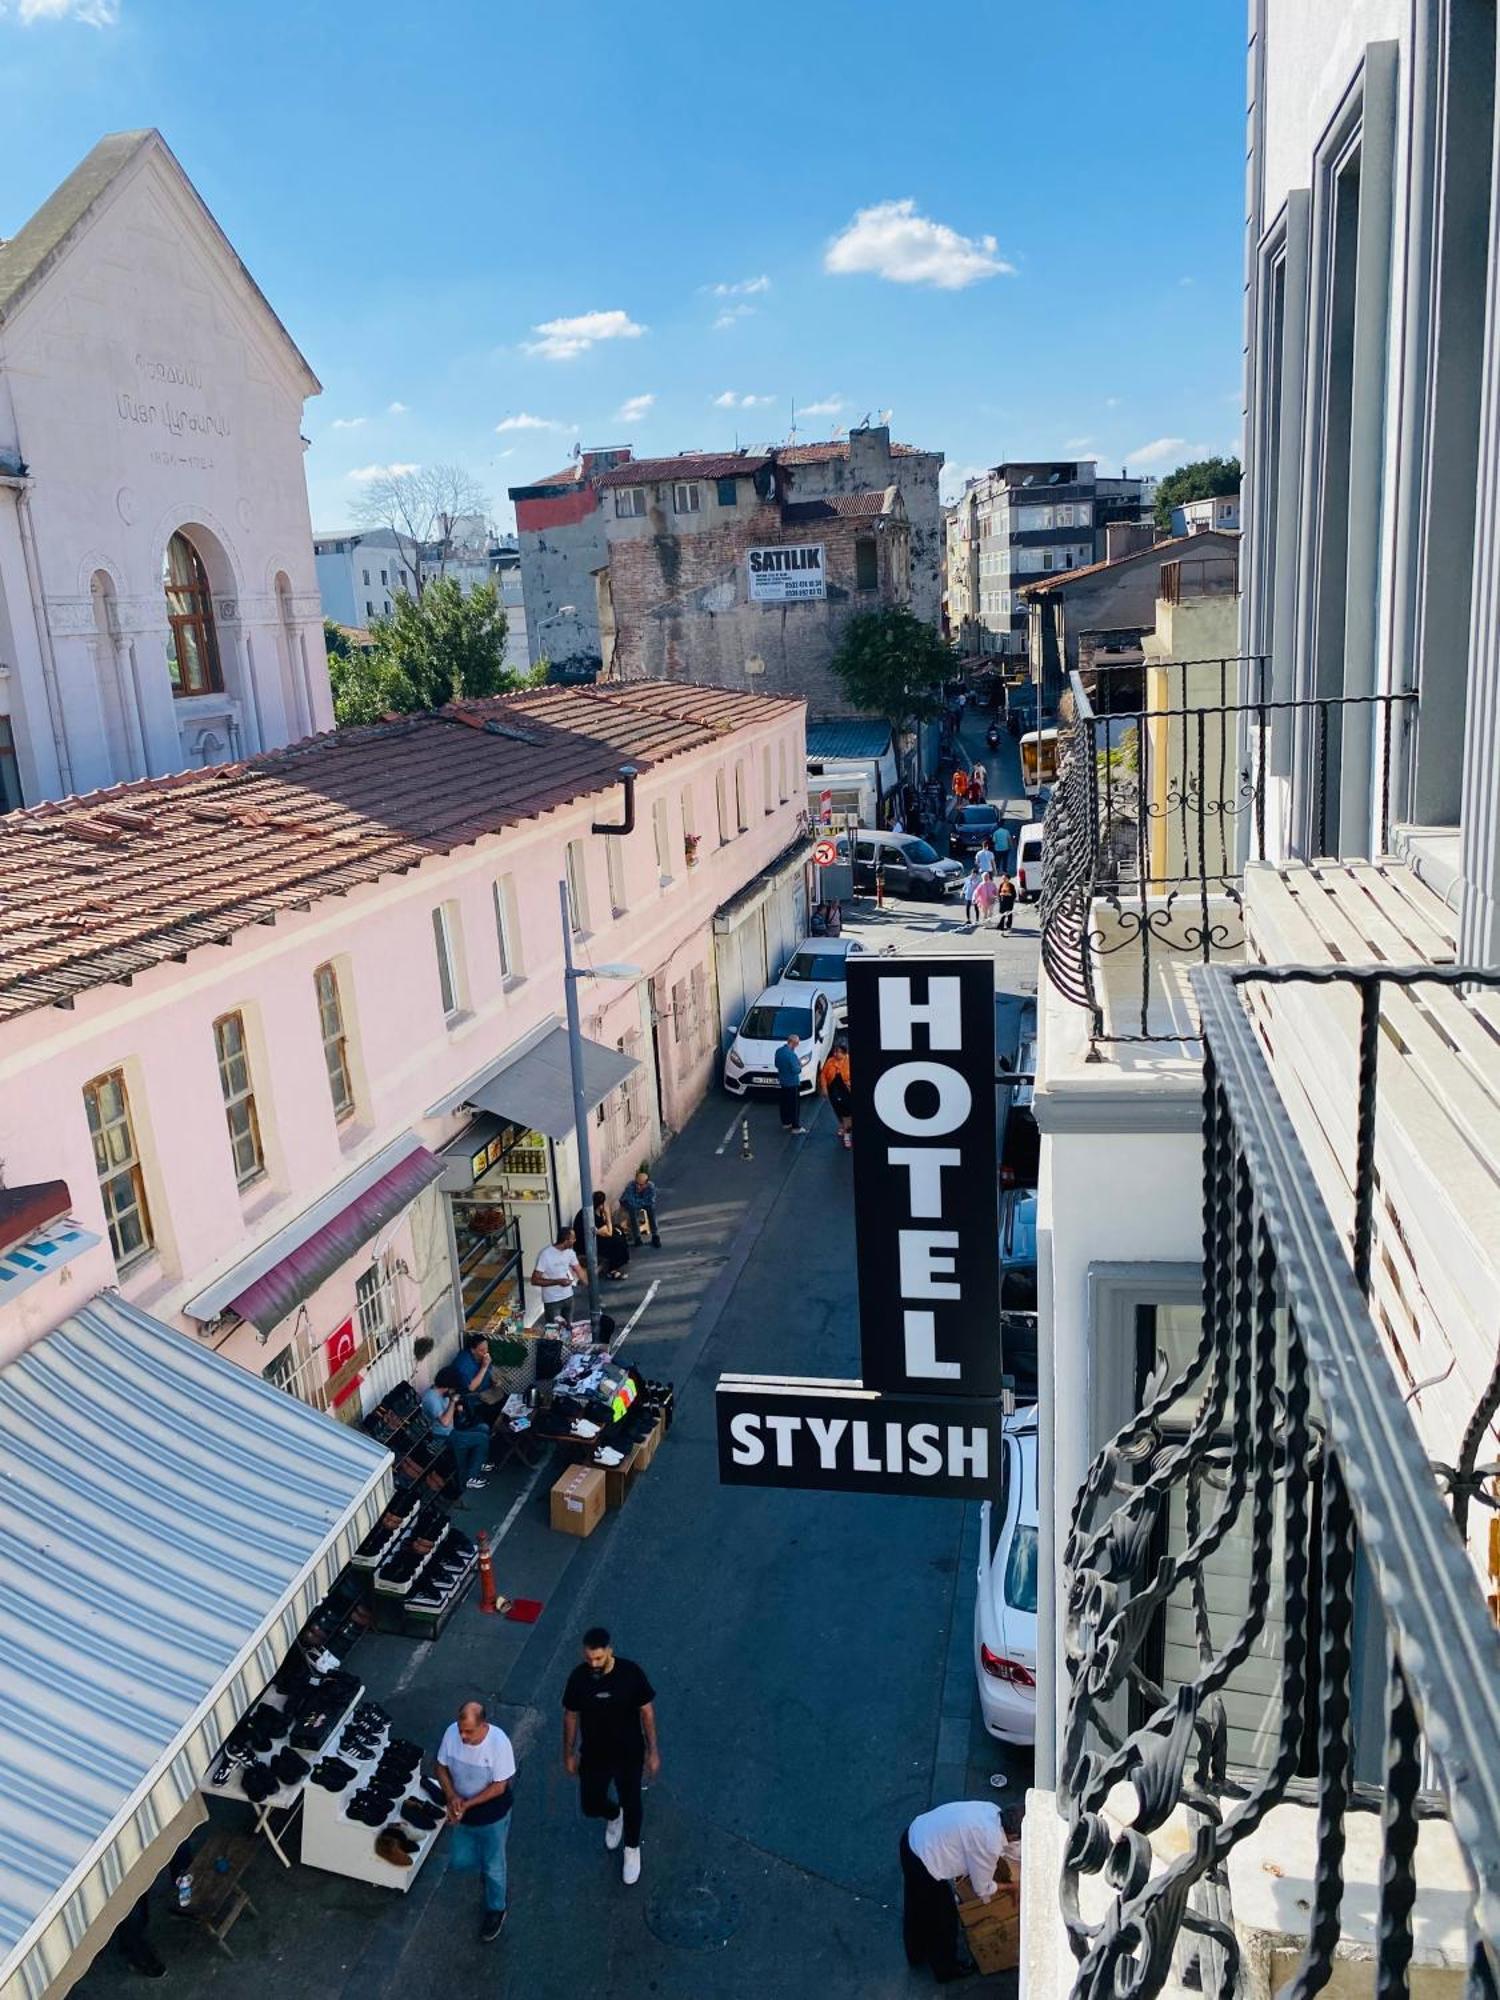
[[609, 1742]]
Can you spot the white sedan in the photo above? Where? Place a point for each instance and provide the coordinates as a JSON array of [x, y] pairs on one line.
[[1005, 1605], [780, 1011], [821, 963]]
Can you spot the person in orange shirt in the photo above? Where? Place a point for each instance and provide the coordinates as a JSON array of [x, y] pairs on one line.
[[961, 786], [833, 1079]]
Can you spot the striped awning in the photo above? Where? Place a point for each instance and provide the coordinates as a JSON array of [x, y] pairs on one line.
[[167, 1523]]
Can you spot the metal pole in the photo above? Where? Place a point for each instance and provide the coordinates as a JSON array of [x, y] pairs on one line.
[[580, 1110]]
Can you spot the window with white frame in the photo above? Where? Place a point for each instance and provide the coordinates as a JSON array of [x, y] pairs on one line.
[[687, 498], [372, 1305], [630, 503], [335, 1040], [577, 880], [661, 831], [507, 928], [117, 1162], [689, 828], [614, 869], [239, 1098], [741, 803], [721, 801], [445, 945]]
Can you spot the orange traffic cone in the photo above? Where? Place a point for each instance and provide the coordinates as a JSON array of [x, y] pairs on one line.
[[488, 1600]]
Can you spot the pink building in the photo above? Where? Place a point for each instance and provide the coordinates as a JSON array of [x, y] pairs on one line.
[[289, 1031]]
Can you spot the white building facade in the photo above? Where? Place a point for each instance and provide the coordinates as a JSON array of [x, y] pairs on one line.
[[158, 604]]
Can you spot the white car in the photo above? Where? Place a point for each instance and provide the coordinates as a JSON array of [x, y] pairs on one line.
[[1005, 1605], [780, 1011], [819, 963], [1029, 863]]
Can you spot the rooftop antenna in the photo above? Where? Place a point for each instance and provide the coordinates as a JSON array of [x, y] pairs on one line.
[[792, 433]]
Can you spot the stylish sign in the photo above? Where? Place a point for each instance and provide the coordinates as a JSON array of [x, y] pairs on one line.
[[922, 1074], [786, 575], [783, 1431]]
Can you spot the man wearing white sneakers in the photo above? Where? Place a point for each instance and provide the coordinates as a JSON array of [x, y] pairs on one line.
[[609, 1742]]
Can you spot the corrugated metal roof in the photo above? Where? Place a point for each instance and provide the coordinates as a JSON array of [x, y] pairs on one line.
[[848, 739], [108, 885], [167, 1523]]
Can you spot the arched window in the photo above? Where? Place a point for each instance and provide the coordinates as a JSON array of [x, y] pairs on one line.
[[192, 644]]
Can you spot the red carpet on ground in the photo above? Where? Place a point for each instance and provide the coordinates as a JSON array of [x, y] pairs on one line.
[[524, 1610]]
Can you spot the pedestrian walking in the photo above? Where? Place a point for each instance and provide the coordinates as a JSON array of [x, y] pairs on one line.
[[789, 1078], [985, 860], [971, 883], [1006, 889], [985, 897], [556, 1276], [639, 1204], [965, 1838], [609, 1742], [961, 785], [476, 1766], [834, 1079], [979, 780]]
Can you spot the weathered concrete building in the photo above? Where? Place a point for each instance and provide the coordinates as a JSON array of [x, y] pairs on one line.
[[560, 528], [743, 568]]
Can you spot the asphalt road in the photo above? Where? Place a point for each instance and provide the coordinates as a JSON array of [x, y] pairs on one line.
[[811, 1653]]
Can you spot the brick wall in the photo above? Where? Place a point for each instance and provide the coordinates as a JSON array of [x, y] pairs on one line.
[[682, 611]]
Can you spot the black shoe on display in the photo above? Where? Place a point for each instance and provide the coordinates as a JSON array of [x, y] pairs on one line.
[[258, 1782]]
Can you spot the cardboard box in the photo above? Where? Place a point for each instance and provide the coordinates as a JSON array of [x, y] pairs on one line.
[[618, 1480], [578, 1501], [992, 1930], [646, 1450]]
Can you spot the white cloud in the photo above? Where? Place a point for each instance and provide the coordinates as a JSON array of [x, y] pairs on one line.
[[731, 316], [744, 287], [524, 421], [562, 339], [365, 473], [730, 401], [893, 241], [509, 452], [1077, 444], [93, 13], [1157, 449], [395, 409], [1111, 402], [348, 423], [633, 409], [1185, 281], [829, 407]]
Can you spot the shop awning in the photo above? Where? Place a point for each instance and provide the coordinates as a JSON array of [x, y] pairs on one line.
[[533, 1085], [289, 1267], [167, 1523]]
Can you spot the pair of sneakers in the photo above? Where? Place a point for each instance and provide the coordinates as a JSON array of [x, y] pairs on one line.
[[614, 1833]]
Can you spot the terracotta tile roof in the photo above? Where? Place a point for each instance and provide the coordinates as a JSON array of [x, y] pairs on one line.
[[569, 476], [1060, 579], [686, 465], [853, 506], [111, 884]]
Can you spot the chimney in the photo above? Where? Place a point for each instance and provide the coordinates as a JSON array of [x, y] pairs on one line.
[[870, 457], [1123, 538]]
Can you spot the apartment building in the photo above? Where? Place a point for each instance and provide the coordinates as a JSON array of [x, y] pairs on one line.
[[743, 568], [158, 607], [1032, 519], [961, 573], [1269, 1098], [361, 572], [560, 527]]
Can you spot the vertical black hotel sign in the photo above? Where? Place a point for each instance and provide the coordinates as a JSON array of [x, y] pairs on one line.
[[922, 1074]]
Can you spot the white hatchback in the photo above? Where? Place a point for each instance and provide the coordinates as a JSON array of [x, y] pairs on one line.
[[780, 1011], [1005, 1605], [820, 964]]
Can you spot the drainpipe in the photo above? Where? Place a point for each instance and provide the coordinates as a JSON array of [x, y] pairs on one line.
[[43, 634]]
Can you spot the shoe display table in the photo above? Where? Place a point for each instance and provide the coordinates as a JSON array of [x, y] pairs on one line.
[[345, 1846], [286, 1799]]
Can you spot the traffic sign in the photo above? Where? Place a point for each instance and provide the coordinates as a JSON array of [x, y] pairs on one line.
[[825, 854]]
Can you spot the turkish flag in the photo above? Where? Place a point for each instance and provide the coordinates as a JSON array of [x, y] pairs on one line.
[[340, 1346]]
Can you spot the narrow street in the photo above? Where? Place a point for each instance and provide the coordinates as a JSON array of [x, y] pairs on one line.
[[812, 1653]]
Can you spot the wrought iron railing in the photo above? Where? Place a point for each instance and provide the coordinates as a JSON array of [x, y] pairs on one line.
[[1157, 808], [1287, 1426]]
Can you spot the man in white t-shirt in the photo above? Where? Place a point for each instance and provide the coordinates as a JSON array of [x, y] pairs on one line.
[[556, 1275], [964, 1838], [475, 1766]]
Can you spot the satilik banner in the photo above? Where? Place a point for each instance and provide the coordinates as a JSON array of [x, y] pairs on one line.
[[786, 575]]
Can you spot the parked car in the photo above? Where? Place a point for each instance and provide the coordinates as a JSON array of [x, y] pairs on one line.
[[909, 865], [971, 825], [822, 964], [1018, 1250], [1005, 1603], [1029, 863], [780, 1011]]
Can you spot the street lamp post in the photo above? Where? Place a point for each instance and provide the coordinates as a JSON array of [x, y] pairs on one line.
[[571, 976]]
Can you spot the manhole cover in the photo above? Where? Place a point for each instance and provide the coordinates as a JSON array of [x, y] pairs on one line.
[[695, 1915]]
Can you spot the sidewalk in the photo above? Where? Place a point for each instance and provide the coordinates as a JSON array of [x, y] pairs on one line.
[[810, 1652]]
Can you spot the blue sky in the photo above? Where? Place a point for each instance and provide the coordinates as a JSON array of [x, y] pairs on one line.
[[1016, 227]]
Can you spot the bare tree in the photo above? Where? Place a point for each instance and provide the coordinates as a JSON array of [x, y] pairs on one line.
[[422, 508]]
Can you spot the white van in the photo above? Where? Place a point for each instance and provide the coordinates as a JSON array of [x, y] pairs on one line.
[[1029, 863]]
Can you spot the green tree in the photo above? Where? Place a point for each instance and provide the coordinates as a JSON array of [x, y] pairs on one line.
[[1202, 479], [361, 690], [892, 665], [335, 639], [444, 646]]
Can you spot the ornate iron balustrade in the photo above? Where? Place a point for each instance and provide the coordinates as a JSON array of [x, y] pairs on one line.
[[1156, 810], [1297, 1427]]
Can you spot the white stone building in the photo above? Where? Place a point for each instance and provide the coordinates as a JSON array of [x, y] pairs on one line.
[[158, 606]]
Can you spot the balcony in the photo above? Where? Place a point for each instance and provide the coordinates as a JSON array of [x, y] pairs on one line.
[[1286, 1767], [1199, 576]]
